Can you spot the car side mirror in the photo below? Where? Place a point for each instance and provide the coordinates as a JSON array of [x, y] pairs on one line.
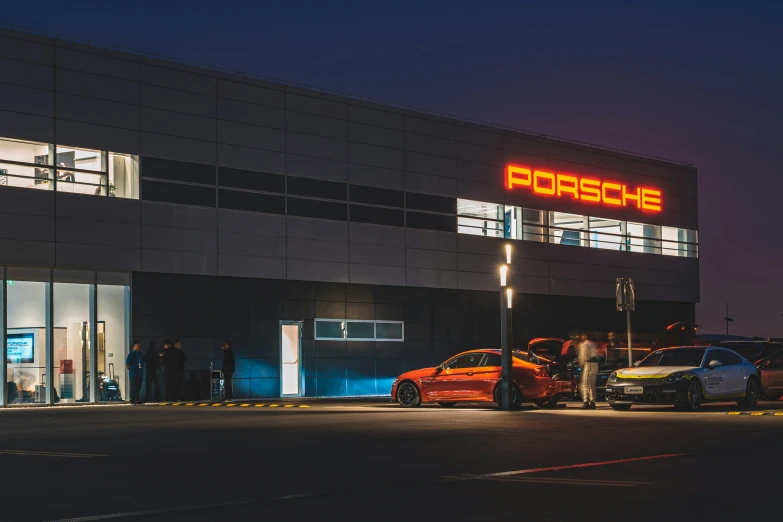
[[714, 364], [637, 363]]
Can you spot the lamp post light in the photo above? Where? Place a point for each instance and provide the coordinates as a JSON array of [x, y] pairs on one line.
[[506, 333]]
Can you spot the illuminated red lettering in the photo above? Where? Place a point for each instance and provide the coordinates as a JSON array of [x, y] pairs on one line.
[[651, 199], [591, 189], [518, 176], [538, 175], [568, 185]]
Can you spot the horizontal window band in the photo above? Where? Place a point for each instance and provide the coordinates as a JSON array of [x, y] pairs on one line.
[[435, 222], [417, 201], [251, 180], [314, 208], [376, 196], [377, 215], [178, 193], [174, 170], [317, 188], [251, 201]]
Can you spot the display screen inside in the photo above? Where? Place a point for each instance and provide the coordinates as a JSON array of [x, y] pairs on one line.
[[21, 348]]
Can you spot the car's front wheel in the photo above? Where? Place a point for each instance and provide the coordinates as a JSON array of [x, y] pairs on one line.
[[408, 395], [691, 399], [620, 406], [752, 393], [516, 397]]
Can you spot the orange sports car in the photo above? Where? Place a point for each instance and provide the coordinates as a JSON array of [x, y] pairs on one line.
[[474, 376]]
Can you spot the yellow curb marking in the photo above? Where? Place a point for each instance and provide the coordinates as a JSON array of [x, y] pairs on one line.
[[274, 405], [260, 405], [778, 414], [244, 405], [230, 405], [217, 404], [757, 413], [735, 413], [202, 405], [304, 406], [189, 404], [163, 403], [289, 405]]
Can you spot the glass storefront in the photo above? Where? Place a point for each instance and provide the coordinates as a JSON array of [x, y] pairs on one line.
[[65, 333]]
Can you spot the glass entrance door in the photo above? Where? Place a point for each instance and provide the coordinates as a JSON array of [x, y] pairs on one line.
[[291, 359]]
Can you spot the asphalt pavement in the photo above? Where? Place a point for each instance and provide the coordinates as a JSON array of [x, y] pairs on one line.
[[361, 460]]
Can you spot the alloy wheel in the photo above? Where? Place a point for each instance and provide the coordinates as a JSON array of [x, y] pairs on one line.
[[754, 392], [694, 395], [408, 395]]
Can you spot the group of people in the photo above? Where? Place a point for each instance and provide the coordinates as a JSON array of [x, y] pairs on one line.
[[167, 366]]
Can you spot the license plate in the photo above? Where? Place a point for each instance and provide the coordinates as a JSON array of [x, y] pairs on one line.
[[634, 390]]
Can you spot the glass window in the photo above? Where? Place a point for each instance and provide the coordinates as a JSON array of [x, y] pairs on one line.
[[680, 242], [123, 176], [534, 225], [112, 342], [470, 360], [178, 171], [81, 183], [388, 331], [25, 176], [246, 179], [607, 234], [492, 359], [26, 151], [329, 329], [26, 341], [72, 338], [480, 218], [427, 221], [430, 202], [317, 188], [377, 215], [82, 159], [360, 330], [567, 229], [252, 201], [644, 239], [317, 209], [178, 193], [377, 196]]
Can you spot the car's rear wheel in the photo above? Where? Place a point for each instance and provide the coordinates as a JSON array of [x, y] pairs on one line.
[[448, 404], [752, 393], [408, 395], [691, 399], [773, 396], [620, 407], [516, 397]]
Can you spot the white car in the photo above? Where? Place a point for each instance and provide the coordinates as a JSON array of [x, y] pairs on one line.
[[686, 377]]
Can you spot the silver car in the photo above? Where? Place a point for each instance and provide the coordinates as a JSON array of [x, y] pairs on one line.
[[685, 377]]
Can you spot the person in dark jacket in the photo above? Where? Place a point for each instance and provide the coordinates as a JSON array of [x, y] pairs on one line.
[[135, 365], [179, 369], [169, 363], [151, 361], [229, 367]]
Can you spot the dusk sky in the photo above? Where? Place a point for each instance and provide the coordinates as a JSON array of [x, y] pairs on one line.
[[699, 84]]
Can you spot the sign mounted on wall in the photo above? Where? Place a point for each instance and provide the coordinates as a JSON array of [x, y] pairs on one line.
[[582, 188]]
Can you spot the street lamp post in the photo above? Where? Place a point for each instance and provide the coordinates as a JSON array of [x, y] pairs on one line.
[[506, 333]]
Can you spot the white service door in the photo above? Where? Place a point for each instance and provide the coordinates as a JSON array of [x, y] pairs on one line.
[[290, 359]]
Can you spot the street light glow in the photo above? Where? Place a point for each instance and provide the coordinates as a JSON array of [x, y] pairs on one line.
[[509, 293], [508, 254], [503, 270]]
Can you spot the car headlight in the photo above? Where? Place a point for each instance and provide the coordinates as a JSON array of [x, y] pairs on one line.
[[612, 377], [676, 376]]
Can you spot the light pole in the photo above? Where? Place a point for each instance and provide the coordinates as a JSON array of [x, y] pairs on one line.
[[727, 319], [506, 333]]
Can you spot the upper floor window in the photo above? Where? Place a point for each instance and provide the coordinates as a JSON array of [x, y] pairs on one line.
[[44, 166], [493, 220]]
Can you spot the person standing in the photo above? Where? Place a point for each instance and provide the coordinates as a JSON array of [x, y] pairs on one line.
[[229, 366], [151, 361], [168, 364], [179, 369], [587, 353], [135, 365]]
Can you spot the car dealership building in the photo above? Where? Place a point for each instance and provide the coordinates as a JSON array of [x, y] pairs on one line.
[[336, 242]]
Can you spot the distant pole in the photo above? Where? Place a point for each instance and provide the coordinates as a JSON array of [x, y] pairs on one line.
[[727, 319]]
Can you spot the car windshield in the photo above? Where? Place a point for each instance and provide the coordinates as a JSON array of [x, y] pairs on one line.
[[675, 357]]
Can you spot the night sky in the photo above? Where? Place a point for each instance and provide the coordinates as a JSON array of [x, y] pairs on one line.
[[699, 84]]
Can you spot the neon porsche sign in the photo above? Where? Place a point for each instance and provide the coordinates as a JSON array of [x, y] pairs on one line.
[[582, 188]]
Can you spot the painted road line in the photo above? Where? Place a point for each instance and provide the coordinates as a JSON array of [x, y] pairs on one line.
[[289, 405], [779, 414], [484, 476], [50, 454], [244, 405], [734, 413], [260, 405], [216, 405], [304, 406], [203, 404], [274, 405], [162, 403], [758, 413]]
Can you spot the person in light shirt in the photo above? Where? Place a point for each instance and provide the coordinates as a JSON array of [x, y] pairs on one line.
[[587, 354]]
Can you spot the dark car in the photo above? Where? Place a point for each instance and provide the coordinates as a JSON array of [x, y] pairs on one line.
[[768, 358]]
